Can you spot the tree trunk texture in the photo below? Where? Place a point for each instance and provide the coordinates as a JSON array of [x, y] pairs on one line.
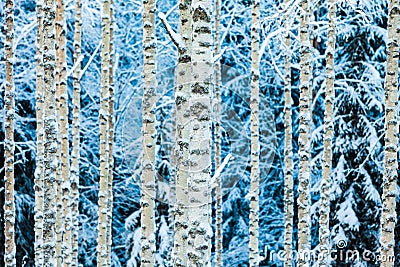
[[75, 154], [148, 190], [200, 231], [63, 223], [39, 171], [182, 155], [218, 188], [288, 149], [102, 240], [324, 232], [304, 200], [388, 219], [51, 134], [9, 145], [254, 128], [110, 137]]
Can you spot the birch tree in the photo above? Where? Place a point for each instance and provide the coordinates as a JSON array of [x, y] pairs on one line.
[[102, 240], [390, 175], [9, 145], [254, 128], [324, 232], [218, 189], [110, 137], [51, 133], [63, 229], [183, 41], [75, 154], [303, 201], [200, 135], [39, 171], [148, 192], [288, 180]]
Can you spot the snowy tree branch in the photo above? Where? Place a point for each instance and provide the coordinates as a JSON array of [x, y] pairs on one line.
[[217, 57], [78, 62], [175, 37], [219, 170], [90, 60]]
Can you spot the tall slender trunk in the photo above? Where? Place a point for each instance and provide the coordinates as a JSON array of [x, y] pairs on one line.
[[254, 128], [200, 231], [288, 180], [218, 189], [303, 201], [110, 137], [324, 232], [75, 154], [63, 251], [388, 220], [102, 239], [39, 171], [51, 133], [148, 192], [182, 95], [9, 146]]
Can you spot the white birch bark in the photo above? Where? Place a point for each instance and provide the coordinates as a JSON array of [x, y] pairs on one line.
[[59, 211], [200, 231], [9, 145], [389, 217], [110, 138], [254, 128], [288, 180], [179, 187], [303, 201], [75, 154], [324, 232], [148, 191], [51, 133], [63, 224], [102, 226], [218, 189], [39, 171]]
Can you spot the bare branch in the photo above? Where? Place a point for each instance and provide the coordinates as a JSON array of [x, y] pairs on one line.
[[217, 57], [90, 60], [219, 170], [78, 62], [175, 37]]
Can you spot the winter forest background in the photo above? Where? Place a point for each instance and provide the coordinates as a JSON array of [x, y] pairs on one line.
[[360, 60]]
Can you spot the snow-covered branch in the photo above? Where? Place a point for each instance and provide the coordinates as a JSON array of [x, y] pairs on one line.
[[90, 60], [219, 170], [175, 37], [77, 63], [217, 57]]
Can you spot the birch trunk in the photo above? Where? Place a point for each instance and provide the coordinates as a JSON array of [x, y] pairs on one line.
[[303, 201], [324, 232], [200, 231], [255, 145], [76, 102], [51, 133], [59, 211], [9, 145], [110, 137], [182, 95], [388, 219], [288, 149], [148, 191], [218, 189], [39, 171], [102, 240], [63, 250]]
